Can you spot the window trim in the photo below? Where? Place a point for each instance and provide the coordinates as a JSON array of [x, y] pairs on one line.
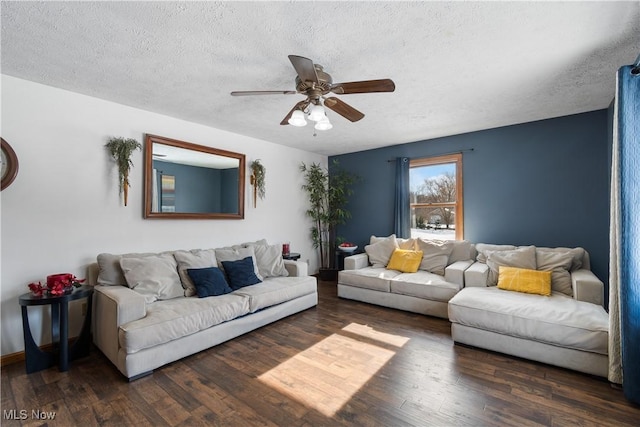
[[459, 204]]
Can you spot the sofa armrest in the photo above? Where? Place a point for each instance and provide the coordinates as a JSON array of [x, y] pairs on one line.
[[114, 306], [296, 268], [355, 262], [476, 275], [454, 273], [587, 287]]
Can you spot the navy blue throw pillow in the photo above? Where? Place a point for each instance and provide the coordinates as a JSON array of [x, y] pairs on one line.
[[210, 282], [240, 273]]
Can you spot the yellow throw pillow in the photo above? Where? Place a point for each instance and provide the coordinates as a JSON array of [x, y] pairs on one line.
[[523, 280], [405, 260]]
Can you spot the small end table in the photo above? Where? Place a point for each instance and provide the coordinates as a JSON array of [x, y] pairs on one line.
[[341, 255], [37, 359], [294, 256]]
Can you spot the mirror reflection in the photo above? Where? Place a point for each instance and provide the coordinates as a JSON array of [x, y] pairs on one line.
[[184, 180]]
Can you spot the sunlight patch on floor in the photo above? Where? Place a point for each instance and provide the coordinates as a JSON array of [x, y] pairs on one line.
[[326, 375]]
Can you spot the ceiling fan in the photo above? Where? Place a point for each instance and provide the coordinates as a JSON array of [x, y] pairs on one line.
[[315, 83]]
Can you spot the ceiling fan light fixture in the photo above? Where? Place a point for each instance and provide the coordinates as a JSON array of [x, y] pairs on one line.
[[313, 82], [297, 119], [323, 124], [316, 112]]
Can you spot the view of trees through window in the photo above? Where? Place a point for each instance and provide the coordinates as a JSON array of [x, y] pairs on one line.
[[436, 199]]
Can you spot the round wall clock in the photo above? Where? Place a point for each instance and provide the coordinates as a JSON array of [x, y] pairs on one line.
[[9, 164]]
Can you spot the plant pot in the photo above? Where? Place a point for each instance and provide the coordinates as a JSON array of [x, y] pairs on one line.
[[328, 274]]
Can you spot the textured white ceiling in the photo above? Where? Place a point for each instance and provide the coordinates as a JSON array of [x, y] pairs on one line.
[[458, 66]]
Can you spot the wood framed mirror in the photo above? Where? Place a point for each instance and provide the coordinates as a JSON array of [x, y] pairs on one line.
[[189, 181]]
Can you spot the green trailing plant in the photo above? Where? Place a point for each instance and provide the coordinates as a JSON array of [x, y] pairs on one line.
[[258, 173], [328, 194], [121, 150]]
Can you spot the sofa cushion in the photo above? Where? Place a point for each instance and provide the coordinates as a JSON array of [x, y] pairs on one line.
[[461, 251], [380, 251], [169, 320], [523, 280], [240, 273], [435, 255], [209, 282], [405, 260], [559, 264], [408, 244], [196, 258], [375, 239], [155, 277], [269, 261], [276, 290], [484, 248], [109, 270], [523, 257], [368, 278], [578, 256], [423, 284], [236, 254], [556, 320], [261, 242]]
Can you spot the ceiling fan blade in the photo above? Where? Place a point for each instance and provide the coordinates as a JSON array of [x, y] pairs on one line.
[[263, 92], [304, 67], [344, 109], [365, 86], [299, 106]]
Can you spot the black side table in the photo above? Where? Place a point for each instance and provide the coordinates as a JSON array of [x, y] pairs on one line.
[[340, 256], [37, 359], [292, 256]]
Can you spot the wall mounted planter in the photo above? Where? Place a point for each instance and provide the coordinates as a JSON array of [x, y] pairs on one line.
[[121, 150]]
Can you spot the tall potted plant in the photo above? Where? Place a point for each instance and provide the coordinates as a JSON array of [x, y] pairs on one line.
[[328, 195], [121, 150]]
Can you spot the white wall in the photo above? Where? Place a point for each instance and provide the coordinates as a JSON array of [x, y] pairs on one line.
[[64, 206]]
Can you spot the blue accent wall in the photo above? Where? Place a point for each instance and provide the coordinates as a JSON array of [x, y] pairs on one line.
[[543, 183], [200, 189], [229, 190]]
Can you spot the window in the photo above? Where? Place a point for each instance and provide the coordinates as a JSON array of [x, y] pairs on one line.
[[436, 197]]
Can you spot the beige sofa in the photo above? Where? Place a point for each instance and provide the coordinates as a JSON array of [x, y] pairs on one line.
[[569, 328], [427, 291], [144, 322]]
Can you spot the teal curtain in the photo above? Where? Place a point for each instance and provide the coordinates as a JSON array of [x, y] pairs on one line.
[[624, 283], [402, 226]]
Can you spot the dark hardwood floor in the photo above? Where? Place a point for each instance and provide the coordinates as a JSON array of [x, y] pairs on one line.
[[342, 363]]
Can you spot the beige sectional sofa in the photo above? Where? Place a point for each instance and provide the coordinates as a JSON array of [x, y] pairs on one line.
[[147, 312], [568, 328], [427, 291]]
